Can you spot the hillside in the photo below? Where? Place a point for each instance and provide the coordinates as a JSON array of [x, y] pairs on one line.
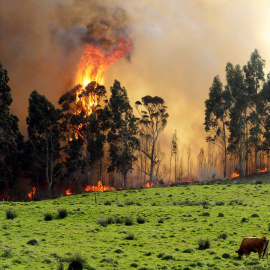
[[103, 228]]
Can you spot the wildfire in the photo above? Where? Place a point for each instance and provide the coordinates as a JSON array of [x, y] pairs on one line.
[[68, 192], [149, 184], [235, 174], [98, 188], [263, 170], [32, 193]]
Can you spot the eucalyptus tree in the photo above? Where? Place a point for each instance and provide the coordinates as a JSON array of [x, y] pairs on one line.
[[9, 133], [152, 122], [44, 135], [122, 134], [254, 80], [216, 117]]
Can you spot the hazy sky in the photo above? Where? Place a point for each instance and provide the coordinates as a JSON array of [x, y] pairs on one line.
[[179, 46]]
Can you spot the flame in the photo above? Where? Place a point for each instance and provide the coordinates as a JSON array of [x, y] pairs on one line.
[[98, 188], [95, 62], [32, 193], [68, 192], [262, 170], [235, 174], [149, 184]]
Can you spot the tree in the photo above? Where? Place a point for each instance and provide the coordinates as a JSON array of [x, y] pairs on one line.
[[85, 122], [174, 152], [216, 117], [122, 133], [238, 113], [9, 132], [254, 80], [152, 122], [44, 136]]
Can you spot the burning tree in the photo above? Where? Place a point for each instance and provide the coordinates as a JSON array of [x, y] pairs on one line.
[[152, 122]]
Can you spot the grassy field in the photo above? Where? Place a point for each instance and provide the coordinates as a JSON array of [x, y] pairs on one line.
[[154, 228]]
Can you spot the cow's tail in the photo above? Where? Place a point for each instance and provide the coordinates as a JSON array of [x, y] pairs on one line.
[[266, 247]]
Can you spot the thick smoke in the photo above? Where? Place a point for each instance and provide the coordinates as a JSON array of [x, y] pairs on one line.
[[179, 46]]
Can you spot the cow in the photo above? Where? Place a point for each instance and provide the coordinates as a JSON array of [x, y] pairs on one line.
[[254, 244]]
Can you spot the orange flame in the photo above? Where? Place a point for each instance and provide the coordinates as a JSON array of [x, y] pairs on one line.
[[68, 192], [149, 184], [235, 174], [263, 170], [98, 188], [95, 63], [32, 193]]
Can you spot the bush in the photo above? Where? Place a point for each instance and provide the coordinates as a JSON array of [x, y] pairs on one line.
[[206, 214], [161, 220], [47, 216], [188, 250], [168, 258], [10, 214], [32, 242], [220, 203], [62, 212], [226, 256], [130, 236], [140, 220], [102, 221], [118, 220], [255, 215], [220, 215], [245, 219], [128, 221], [161, 255], [76, 262], [7, 253], [107, 203], [204, 244], [223, 236]]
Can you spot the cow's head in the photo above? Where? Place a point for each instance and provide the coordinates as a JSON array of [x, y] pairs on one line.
[[240, 252]]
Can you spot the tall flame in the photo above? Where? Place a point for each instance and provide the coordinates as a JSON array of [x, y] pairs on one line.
[[32, 193]]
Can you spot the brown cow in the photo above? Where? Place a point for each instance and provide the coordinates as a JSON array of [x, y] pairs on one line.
[[254, 244]]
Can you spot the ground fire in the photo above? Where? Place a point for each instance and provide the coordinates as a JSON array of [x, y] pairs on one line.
[[98, 188], [31, 193]]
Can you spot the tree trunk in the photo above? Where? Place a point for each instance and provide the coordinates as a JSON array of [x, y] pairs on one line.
[[225, 151]]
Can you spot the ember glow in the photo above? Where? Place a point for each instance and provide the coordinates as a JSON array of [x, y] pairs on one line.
[[98, 188], [235, 174], [68, 192], [149, 184], [32, 193], [262, 170]]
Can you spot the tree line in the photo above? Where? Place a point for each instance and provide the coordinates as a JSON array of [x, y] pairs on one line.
[[86, 137], [237, 115]]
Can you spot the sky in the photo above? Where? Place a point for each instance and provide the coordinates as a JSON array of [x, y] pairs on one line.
[[178, 48]]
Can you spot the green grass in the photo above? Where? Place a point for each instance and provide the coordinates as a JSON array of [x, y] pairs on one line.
[[175, 219]]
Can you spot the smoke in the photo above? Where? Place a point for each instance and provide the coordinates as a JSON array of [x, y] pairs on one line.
[[179, 46]]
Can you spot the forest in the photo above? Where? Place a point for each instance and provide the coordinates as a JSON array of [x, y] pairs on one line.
[[90, 140]]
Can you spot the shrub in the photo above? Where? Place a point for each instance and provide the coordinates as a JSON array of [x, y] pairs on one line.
[[32, 242], [226, 256], [245, 219], [47, 216], [130, 236], [10, 214], [118, 220], [110, 220], [135, 265], [160, 220], [107, 203], [76, 262], [223, 236], [161, 255], [258, 182], [255, 215], [168, 258], [62, 212], [128, 221], [220, 215], [220, 203], [140, 220], [118, 250], [102, 221], [206, 214], [233, 202], [204, 244], [129, 203]]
